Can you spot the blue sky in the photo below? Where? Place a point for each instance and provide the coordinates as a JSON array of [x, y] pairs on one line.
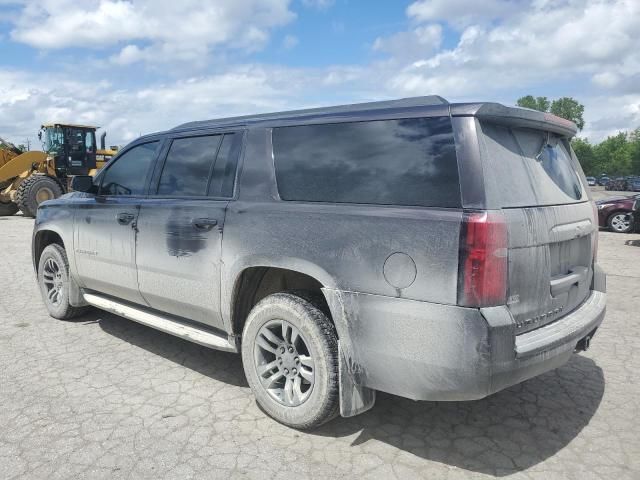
[[138, 66]]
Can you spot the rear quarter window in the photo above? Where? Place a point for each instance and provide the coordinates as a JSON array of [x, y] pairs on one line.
[[408, 162]]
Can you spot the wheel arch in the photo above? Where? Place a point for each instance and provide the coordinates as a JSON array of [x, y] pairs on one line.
[[255, 282], [42, 239]]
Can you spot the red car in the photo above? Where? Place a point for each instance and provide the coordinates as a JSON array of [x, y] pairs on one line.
[[616, 213]]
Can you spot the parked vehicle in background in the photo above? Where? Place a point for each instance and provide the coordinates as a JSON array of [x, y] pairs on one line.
[[366, 247], [634, 185], [602, 181], [591, 181], [615, 213], [617, 185]]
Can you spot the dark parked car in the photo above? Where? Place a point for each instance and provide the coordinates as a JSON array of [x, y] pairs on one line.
[[343, 250], [615, 213], [618, 185], [591, 181], [634, 185], [602, 181]]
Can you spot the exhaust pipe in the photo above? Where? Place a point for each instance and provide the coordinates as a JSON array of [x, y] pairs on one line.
[[102, 140]]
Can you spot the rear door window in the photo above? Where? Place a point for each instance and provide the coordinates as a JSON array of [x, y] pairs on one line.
[[525, 167], [188, 165], [387, 162], [201, 166]]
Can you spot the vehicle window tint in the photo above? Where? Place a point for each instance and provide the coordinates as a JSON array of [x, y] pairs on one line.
[[387, 162], [539, 167], [224, 171], [188, 164], [127, 174]]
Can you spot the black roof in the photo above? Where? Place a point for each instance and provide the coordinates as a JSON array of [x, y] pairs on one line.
[[401, 103], [494, 112]]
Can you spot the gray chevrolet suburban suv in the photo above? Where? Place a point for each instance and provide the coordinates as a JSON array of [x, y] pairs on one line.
[[431, 250]]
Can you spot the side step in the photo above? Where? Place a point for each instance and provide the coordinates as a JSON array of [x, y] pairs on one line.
[[163, 323]]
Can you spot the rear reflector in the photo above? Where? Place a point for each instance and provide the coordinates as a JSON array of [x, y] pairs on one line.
[[482, 267]]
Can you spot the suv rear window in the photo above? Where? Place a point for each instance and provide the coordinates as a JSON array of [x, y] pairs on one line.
[[525, 167], [386, 162]]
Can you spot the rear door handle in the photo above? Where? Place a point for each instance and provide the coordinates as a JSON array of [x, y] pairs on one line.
[[125, 218], [204, 223]]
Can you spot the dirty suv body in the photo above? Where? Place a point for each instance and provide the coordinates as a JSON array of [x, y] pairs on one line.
[[431, 250]]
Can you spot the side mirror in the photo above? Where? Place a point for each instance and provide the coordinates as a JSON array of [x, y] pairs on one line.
[[82, 183]]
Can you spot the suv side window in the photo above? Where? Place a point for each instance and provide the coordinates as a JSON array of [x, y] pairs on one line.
[[408, 162], [200, 166], [188, 165], [127, 175]]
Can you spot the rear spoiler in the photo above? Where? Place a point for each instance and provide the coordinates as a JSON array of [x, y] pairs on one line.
[[515, 117]]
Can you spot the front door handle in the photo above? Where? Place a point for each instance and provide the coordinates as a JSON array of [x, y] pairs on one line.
[[125, 218], [205, 224]]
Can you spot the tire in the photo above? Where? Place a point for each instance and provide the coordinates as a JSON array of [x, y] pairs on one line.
[[53, 275], [7, 209], [620, 222], [35, 190], [307, 369]]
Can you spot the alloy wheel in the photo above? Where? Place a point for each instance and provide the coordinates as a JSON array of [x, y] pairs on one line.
[[621, 222], [53, 281], [284, 363]]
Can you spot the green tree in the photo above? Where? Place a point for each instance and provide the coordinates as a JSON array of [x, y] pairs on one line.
[[586, 156], [569, 108], [613, 155], [634, 150], [535, 103], [565, 107]]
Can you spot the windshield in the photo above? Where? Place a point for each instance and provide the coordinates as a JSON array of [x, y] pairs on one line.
[[53, 140]]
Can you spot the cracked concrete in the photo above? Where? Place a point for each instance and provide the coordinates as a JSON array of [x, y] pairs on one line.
[[102, 397]]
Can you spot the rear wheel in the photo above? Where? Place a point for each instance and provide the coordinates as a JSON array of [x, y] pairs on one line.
[[620, 222], [35, 190], [7, 208], [290, 358], [53, 279]]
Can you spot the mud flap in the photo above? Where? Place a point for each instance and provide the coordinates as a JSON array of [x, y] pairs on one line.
[[76, 299], [354, 399]]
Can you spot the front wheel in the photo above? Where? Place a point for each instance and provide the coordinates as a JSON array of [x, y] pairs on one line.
[[290, 358], [620, 222], [53, 279]]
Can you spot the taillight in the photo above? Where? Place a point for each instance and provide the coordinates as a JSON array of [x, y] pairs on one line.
[[482, 268]]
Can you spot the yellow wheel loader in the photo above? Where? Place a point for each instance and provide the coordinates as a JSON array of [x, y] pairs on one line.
[[28, 179]]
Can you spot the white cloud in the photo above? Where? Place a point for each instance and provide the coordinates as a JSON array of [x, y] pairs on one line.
[[545, 42], [172, 30], [28, 100], [416, 42], [461, 12]]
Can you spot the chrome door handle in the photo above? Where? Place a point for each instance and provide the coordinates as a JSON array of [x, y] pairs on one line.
[[125, 218], [204, 223]]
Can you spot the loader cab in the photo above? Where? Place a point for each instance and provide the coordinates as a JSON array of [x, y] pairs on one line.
[[72, 147]]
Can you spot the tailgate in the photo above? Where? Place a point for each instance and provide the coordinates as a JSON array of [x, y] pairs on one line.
[[533, 176], [550, 262]]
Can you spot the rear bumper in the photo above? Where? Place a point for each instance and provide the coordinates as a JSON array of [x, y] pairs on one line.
[[438, 352]]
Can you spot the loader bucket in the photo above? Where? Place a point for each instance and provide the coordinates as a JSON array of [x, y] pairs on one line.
[[20, 164]]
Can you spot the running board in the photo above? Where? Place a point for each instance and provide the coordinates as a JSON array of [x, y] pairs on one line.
[[163, 323]]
